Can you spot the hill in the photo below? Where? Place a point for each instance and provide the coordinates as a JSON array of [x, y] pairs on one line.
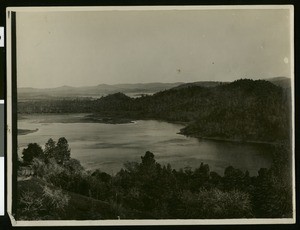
[[283, 82], [242, 110]]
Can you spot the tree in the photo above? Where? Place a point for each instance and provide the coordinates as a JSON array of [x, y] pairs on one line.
[[149, 169], [33, 150], [49, 149], [233, 178], [272, 196], [62, 151], [73, 166], [200, 177], [148, 160]]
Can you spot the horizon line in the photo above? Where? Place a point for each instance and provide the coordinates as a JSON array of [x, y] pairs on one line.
[[145, 83]]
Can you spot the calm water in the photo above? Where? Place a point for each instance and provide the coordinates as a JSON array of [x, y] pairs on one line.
[[109, 146]]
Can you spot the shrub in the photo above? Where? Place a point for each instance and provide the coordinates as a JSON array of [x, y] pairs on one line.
[[216, 204], [55, 199], [29, 206]]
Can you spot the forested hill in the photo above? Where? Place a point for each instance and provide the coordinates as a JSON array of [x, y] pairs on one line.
[[242, 110]]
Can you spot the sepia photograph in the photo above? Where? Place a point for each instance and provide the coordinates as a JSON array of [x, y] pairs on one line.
[[172, 115]]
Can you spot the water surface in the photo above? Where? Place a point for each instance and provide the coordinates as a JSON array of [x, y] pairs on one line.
[[109, 146]]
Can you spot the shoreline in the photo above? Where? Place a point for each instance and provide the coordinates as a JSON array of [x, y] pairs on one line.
[[238, 141], [228, 140], [95, 118], [26, 131]]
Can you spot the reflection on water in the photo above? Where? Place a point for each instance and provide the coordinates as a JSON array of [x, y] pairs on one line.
[[109, 146]]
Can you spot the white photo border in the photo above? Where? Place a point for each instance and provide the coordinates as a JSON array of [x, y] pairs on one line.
[[139, 222]]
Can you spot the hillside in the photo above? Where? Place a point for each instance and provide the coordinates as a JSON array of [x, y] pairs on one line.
[[242, 110], [148, 190], [79, 207]]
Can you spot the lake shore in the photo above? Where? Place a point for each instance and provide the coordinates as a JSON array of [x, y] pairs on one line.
[[106, 119], [234, 140], [26, 131]]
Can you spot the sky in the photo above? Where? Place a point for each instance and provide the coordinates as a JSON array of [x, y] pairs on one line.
[[87, 48]]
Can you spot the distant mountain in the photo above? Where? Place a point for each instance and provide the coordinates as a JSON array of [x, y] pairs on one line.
[[283, 82], [132, 90], [201, 83], [94, 91]]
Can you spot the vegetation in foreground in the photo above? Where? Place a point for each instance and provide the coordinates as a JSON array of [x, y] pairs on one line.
[[60, 188]]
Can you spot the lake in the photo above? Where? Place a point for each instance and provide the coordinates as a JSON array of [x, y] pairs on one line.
[[109, 146]]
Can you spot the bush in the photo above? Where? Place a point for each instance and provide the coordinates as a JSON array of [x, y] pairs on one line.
[[39, 167], [55, 199], [29, 206], [47, 204], [208, 204]]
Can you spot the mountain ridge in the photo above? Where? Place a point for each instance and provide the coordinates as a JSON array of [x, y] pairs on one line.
[[132, 89]]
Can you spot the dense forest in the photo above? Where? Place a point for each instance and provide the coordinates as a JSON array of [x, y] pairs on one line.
[[58, 187], [244, 110]]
